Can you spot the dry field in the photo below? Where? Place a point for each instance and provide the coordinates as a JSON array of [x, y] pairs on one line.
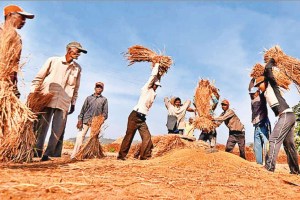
[[182, 173]]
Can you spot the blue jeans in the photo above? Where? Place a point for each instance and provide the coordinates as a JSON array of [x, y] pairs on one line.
[[261, 139]]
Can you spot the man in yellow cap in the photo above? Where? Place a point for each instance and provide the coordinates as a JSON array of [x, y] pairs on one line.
[[94, 105], [236, 128], [61, 77], [15, 17]]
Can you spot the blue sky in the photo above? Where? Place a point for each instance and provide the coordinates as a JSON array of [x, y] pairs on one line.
[[216, 40]]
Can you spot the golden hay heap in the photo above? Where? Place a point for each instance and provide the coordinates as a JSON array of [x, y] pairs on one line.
[[92, 148], [202, 100], [281, 79], [163, 144], [16, 120], [287, 64], [138, 53]]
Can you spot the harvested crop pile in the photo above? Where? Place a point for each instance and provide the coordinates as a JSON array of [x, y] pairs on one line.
[[16, 119], [163, 144], [288, 65], [281, 79], [205, 101], [138, 53], [92, 148]]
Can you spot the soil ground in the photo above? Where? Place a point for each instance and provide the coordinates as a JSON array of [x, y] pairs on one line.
[[184, 173]]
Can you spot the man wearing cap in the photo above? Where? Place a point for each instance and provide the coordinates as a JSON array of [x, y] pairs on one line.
[[236, 128], [94, 105], [15, 17], [260, 121], [61, 77], [137, 119], [283, 131]]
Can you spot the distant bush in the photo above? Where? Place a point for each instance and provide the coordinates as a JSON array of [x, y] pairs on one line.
[[111, 149]]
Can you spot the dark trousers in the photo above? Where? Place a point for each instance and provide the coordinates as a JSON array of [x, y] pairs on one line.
[[236, 137], [136, 122], [211, 137], [283, 132], [58, 118]]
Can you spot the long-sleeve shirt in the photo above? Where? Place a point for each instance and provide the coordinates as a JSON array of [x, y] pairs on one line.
[[14, 58], [147, 93], [273, 95], [259, 109], [179, 112], [93, 106], [61, 79], [231, 120]]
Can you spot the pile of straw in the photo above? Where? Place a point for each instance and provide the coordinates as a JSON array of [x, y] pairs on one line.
[[202, 99], [37, 100], [92, 148], [281, 79], [288, 65], [163, 144], [16, 120], [139, 53]]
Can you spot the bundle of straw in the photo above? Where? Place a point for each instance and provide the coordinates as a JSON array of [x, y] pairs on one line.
[[280, 77], [92, 148], [202, 99], [139, 53], [288, 65], [37, 101], [16, 120]]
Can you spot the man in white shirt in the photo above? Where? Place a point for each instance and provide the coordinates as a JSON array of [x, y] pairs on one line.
[[61, 77], [137, 118]]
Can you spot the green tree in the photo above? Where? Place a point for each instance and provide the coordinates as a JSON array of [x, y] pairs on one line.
[[296, 109]]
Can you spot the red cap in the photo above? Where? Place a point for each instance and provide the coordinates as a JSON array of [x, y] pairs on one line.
[[225, 101], [16, 9]]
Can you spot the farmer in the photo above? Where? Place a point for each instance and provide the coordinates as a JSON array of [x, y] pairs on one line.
[[236, 128], [94, 105], [61, 77], [283, 131], [137, 118], [189, 128], [16, 17], [176, 114], [261, 123]]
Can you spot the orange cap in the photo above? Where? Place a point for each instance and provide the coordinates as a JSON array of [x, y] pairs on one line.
[[225, 101], [16, 9]]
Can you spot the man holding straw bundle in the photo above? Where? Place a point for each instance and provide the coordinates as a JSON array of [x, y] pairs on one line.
[[137, 118], [283, 131], [16, 17], [236, 128], [61, 77], [94, 105]]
